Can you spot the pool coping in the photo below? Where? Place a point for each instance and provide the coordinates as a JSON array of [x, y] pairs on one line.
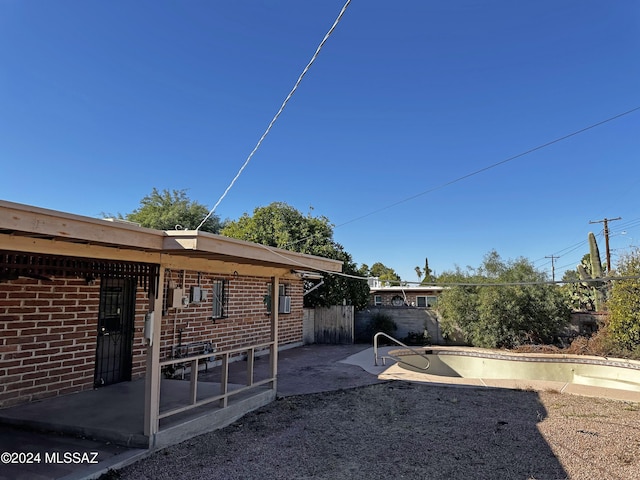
[[397, 372]]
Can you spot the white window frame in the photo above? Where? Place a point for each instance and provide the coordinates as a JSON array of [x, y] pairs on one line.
[[430, 301]]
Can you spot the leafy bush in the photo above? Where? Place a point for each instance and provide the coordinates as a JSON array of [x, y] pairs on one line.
[[619, 333], [502, 305], [382, 322], [623, 325], [417, 338], [603, 344]]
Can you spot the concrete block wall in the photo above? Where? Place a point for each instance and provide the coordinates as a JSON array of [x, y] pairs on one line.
[[407, 319]]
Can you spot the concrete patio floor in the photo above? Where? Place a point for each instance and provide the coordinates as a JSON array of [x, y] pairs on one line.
[[108, 421]]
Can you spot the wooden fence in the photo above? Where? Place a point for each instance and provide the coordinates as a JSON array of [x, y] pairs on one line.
[[334, 325]]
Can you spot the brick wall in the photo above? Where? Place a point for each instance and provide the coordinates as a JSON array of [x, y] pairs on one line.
[[247, 320], [48, 338], [48, 330]]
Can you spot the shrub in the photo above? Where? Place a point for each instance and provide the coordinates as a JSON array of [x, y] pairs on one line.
[[624, 305], [382, 322], [602, 344], [502, 304], [417, 338]]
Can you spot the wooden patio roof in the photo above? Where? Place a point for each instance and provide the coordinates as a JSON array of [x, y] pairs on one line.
[[27, 228]]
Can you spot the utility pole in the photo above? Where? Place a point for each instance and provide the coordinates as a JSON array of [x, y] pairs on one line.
[[553, 267], [606, 221]]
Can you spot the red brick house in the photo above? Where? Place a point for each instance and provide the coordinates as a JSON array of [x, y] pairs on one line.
[[88, 303]]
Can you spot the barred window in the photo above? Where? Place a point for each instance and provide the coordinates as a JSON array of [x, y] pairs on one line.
[[219, 298]]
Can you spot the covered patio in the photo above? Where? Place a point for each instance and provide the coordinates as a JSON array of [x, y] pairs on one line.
[[115, 413], [150, 409]]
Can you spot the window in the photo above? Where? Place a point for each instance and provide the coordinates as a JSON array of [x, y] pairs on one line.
[[219, 294], [284, 300], [377, 300], [428, 301]]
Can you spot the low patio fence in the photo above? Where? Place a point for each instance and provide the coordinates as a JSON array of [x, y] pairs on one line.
[[225, 394]]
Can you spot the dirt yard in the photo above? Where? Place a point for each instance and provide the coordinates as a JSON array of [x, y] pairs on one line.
[[413, 431]]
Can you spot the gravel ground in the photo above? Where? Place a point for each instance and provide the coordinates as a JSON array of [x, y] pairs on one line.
[[414, 431]]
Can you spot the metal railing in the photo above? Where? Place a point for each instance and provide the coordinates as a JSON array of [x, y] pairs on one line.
[[397, 358]]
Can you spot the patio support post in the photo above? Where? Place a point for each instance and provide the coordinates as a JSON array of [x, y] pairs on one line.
[[275, 290], [152, 372]]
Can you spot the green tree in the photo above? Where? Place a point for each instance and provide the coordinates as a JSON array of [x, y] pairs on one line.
[[429, 276], [384, 273], [170, 210], [281, 225], [624, 305], [418, 273], [525, 310]]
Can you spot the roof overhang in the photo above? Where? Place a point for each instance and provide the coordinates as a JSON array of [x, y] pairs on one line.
[[208, 245], [28, 228]]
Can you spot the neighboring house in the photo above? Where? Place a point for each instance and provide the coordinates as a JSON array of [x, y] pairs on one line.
[[88, 303], [412, 308], [383, 294]]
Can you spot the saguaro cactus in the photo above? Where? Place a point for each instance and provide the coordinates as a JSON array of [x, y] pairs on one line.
[[596, 273]]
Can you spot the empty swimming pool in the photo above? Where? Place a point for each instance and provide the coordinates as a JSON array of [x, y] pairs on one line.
[[587, 375]]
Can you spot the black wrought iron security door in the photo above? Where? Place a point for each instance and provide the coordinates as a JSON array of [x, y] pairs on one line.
[[115, 331]]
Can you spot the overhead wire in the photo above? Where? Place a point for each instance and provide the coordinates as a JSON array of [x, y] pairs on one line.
[[451, 182], [301, 264], [543, 282], [493, 165], [280, 110], [456, 284], [484, 169]]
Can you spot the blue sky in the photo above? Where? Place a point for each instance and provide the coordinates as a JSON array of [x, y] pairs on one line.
[[102, 101]]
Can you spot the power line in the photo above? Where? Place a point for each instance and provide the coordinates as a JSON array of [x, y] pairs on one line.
[[494, 165], [569, 249], [459, 284], [284, 104], [301, 264], [606, 221], [533, 282], [553, 266]]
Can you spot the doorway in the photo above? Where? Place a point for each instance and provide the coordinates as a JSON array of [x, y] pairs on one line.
[[116, 315]]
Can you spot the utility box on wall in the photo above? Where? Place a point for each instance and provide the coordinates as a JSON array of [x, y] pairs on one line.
[[198, 295], [194, 296], [174, 298]]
